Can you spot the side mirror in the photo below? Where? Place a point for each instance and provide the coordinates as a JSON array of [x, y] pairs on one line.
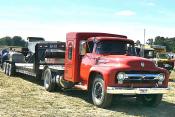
[[82, 48]]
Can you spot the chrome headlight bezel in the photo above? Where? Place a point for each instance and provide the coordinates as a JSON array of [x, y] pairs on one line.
[[161, 78], [121, 76]]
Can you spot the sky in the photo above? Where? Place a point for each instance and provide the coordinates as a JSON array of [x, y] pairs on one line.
[[52, 19]]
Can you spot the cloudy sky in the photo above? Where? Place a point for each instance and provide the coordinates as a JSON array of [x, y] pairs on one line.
[[52, 19]]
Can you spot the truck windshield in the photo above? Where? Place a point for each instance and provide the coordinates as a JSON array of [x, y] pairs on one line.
[[115, 47], [148, 54], [164, 56]]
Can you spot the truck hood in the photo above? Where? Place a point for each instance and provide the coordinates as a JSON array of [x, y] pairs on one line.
[[128, 62]]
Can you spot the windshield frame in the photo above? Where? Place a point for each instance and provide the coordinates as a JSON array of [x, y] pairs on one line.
[[132, 52]]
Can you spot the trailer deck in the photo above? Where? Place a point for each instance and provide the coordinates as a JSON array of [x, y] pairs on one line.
[[28, 68]]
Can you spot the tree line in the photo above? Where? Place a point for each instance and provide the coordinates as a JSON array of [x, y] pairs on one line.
[[12, 41], [164, 41], [169, 43]]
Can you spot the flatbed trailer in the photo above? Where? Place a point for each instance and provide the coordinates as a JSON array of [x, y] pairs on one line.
[[39, 64]]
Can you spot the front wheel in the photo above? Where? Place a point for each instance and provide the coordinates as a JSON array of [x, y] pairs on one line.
[[150, 99], [99, 96]]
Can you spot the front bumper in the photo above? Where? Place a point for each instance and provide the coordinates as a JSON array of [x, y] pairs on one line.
[[134, 91]]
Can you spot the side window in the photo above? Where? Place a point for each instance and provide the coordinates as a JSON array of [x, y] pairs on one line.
[[70, 52], [90, 46]]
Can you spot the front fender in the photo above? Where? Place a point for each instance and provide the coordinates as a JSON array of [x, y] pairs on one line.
[[108, 74]]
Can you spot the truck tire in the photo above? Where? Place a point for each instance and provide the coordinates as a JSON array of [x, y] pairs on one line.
[[7, 68], [99, 96], [152, 100], [11, 70], [49, 84], [4, 67]]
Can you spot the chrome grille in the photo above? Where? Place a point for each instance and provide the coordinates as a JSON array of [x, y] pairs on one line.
[[141, 78]]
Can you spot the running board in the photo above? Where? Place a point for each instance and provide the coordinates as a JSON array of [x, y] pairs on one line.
[[82, 87]]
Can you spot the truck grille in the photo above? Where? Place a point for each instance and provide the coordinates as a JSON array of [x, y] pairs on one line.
[[142, 72], [141, 78]]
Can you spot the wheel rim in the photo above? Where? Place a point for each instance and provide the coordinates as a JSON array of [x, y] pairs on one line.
[[98, 92], [47, 80]]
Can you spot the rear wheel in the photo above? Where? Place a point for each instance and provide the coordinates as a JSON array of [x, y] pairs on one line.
[[11, 70], [4, 67], [150, 99], [99, 96], [49, 82], [7, 68]]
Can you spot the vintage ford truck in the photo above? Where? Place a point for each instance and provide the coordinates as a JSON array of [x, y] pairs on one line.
[[101, 63]]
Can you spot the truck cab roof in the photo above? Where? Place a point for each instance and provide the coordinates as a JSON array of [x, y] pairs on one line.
[[86, 35], [111, 38]]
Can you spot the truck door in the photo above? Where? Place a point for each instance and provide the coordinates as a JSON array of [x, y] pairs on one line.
[[87, 61], [69, 61]]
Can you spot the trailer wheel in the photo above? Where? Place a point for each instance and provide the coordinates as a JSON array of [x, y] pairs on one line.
[[49, 84], [4, 67], [150, 99], [99, 96], [11, 70], [7, 68]]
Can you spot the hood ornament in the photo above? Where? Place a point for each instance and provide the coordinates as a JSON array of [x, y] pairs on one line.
[[142, 64]]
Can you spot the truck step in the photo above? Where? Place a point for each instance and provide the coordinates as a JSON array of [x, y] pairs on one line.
[[82, 87]]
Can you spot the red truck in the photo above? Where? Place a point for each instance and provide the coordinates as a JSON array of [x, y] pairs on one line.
[[101, 63]]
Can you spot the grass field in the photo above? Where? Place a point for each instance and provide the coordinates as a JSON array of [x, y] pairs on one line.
[[25, 97]]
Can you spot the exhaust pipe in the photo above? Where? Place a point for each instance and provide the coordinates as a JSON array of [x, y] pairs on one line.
[[63, 83]]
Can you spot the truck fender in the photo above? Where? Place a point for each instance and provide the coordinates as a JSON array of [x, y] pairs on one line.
[[97, 70]]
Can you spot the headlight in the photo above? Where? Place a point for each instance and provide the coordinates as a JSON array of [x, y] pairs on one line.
[[121, 76], [161, 78]]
